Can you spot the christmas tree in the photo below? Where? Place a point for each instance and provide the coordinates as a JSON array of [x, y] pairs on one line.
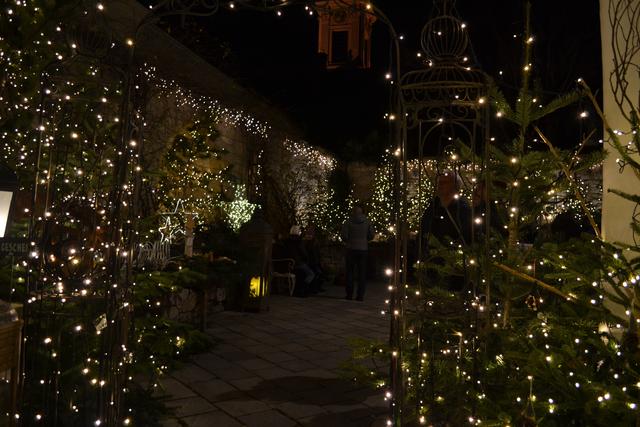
[[544, 330]]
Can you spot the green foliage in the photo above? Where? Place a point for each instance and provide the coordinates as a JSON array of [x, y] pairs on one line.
[[367, 363], [147, 410]]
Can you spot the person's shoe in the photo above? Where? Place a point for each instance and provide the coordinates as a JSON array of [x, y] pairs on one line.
[[348, 297], [359, 298]]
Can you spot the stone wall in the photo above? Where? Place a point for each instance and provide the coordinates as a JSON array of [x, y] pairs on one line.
[[236, 145], [169, 119]]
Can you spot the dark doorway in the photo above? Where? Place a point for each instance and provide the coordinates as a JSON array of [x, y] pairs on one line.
[[340, 47]]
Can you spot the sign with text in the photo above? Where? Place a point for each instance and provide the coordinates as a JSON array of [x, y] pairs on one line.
[[14, 246]]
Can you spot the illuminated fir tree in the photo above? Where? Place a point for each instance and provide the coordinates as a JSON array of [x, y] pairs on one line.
[[194, 174], [535, 338], [381, 206], [77, 152], [239, 210]]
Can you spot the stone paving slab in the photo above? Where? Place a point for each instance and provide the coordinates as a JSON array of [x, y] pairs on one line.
[[278, 357], [190, 406], [297, 365], [233, 373], [192, 373], [211, 419], [282, 367], [297, 410], [270, 418], [273, 396], [214, 390], [272, 373], [171, 388], [239, 407]]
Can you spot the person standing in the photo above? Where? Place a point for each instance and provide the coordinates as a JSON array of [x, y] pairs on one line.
[[356, 233]]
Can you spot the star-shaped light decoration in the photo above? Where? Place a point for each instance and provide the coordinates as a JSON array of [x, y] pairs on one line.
[[170, 231]]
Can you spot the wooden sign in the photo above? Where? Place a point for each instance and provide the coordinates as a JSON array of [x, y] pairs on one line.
[[14, 246]]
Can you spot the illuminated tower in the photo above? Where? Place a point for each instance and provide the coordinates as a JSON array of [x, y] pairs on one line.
[[344, 32]]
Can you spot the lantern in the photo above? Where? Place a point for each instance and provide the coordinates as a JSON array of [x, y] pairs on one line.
[[255, 287], [256, 237]]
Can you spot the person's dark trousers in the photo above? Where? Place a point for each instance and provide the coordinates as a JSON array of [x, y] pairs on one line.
[[356, 260]]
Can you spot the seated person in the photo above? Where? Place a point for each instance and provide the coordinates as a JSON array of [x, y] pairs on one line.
[[293, 247], [313, 257]]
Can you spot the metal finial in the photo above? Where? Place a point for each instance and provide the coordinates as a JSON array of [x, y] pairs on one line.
[[444, 37], [444, 7]]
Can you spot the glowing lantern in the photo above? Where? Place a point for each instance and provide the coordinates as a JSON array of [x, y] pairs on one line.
[[256, 288]]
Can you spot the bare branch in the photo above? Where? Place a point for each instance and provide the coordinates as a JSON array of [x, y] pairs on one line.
[[576, 189]]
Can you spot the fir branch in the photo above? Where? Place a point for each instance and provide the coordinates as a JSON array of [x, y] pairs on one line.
[[533, 280], [500, 102], [635, 198], [558, 103]]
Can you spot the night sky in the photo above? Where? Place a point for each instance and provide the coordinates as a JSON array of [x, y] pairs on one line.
[[342, 110]]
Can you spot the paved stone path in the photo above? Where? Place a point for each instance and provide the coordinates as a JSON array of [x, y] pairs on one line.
[[281, 367]]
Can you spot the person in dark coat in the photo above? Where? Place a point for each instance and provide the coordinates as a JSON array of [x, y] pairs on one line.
[[356, 233], [448, 219]]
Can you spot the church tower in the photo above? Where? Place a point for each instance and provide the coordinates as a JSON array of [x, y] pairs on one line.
[[344, 32]]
